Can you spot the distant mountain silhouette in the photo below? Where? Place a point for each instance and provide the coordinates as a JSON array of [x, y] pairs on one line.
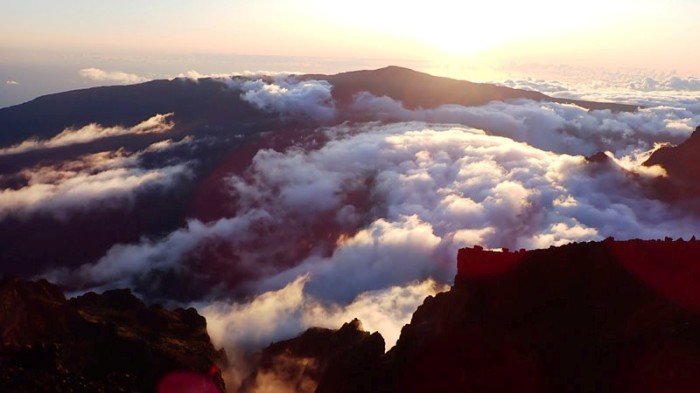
[[208, 105], [416, 89], [202, 103]]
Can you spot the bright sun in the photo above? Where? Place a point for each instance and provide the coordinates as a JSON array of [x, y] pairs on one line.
[[463, 28]]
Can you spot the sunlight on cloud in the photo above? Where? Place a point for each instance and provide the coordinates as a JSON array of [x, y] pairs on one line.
[[280, 314], [561, 128], [120, 77], [407, 193], [159, 123], [289, 97], [96, 180]]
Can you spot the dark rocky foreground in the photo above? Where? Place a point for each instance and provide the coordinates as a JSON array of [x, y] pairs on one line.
[[594, 317], [100, 343], [611, 316]]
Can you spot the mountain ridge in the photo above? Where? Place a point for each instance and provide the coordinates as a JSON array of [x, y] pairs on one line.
[[208, 104]]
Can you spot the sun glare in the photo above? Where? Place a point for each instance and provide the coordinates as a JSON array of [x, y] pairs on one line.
[[466, 28]]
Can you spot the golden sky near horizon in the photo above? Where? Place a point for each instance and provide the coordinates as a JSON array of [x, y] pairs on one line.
[[650, 34]]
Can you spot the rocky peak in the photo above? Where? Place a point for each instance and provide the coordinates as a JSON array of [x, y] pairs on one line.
[[111, 342], [682, 166], [32, 312], [321, 360], [599, 158]]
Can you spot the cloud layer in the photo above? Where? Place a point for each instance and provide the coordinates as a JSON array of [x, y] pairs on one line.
[[120, 77], [159, 123], [385, 206], [560, 128], [309, 101], [93, 181]]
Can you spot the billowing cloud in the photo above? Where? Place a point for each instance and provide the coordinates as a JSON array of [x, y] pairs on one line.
[[159, 123], [300, 100], [229, 77], [195, 75], [436, 189], [96, 180], [630, 88], [560, 128], [673, 83], [541, 85], [281, 314], [391, 204], [242, 327], [120, 77]]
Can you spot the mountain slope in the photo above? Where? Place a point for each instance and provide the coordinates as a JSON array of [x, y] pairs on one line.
[[202, 102], [416, 89], [210, 104]]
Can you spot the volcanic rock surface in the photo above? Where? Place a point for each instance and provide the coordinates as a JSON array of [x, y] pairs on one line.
[[111, 342]]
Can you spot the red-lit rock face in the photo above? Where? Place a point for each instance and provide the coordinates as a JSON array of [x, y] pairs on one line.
[[476, 262]]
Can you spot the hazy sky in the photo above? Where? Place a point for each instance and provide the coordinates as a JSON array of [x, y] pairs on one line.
[[458, 38]]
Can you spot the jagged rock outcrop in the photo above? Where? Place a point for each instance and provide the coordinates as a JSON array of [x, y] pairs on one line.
[[321, 360], [592, 317], [96, 343], [682, 165]]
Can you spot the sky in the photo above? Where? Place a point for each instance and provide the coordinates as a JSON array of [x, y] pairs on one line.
[[45, 44]]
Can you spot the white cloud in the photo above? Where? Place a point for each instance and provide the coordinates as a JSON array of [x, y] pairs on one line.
[[159, 123], [281, 314], [560, 128], [246, 326], [673, 83], [229, 77], [120, 77], [390, 204], [309, 101], [11, 82], [93, 181], [637, 88]]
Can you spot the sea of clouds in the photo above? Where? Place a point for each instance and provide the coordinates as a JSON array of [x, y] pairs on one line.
[[368, 223]]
